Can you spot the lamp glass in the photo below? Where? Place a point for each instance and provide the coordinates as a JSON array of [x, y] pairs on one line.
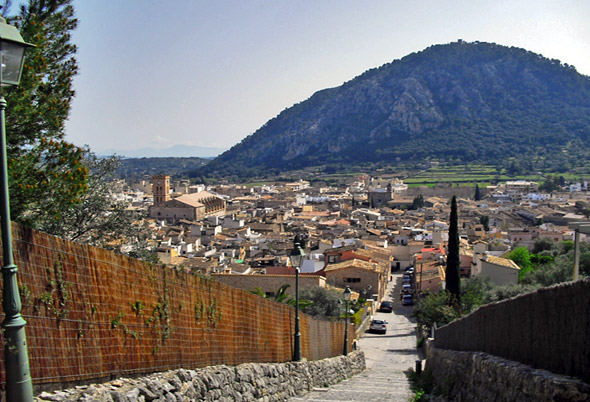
[[347, 293], [296, 257], [13, 56], [296, 260]]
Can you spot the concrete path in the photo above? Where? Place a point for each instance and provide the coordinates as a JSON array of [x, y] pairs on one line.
[[387, 357]]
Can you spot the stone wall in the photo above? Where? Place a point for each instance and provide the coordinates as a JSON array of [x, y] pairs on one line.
[[478, 376], [246, 382]]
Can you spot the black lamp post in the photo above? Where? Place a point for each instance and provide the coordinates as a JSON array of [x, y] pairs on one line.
[[296, 257], [19, 387], [346, 294]]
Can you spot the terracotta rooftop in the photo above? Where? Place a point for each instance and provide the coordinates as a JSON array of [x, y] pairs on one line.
[[504, 262], [354, 263]]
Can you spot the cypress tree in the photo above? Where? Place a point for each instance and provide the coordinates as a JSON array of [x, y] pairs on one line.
[[453, 280], [477, 195]]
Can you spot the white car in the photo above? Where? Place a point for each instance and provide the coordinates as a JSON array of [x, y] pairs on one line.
[[378, 326]]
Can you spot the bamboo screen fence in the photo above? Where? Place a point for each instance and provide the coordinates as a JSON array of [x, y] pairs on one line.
[[95, 314]]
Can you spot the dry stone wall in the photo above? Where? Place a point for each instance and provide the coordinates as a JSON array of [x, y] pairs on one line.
[[246, 382], [478, 376]]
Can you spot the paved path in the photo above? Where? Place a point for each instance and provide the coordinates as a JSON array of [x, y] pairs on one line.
[[387, 357]]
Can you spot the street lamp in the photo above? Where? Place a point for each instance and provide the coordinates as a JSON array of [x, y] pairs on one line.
[[19, 387], [346, 294], [296, 257], [579, 227]]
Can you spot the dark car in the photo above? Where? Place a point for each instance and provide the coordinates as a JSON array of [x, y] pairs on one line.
[[408, 300], [386, 306]]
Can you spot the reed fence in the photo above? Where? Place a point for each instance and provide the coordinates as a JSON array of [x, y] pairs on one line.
[[94, 314]]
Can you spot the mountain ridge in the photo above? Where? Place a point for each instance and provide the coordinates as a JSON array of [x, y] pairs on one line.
[[460, 101]]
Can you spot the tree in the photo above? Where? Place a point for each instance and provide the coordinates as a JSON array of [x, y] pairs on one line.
[[477, 195], [324, 301], [473, 293], [281, 296], [98, 218], [435, 308], [520, 255], [418, 202], [485, 221], [453, 281], [46, 174], [542, 244]]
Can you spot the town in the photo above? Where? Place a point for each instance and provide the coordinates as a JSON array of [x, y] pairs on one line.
[[294, 201], [357, 235]]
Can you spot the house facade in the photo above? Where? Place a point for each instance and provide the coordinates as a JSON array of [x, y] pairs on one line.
[[358, 275]]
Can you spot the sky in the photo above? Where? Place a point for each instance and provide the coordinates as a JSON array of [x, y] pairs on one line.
[[209, 73]]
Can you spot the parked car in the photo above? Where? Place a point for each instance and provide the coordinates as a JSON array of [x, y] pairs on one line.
[[407, 279], [378, 326], [386, 306], [406, 288], [408, 300], [410, 270]]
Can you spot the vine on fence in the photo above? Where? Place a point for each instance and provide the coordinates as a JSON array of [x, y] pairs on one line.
[[199, 308], [161, 313], [117, 320], [57, 295], [138, 307], [213, 316]]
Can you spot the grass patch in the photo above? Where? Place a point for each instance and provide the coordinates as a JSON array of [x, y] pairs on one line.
[[421, 385]]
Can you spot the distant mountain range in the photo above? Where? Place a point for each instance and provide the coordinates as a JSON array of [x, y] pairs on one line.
[[178, 151], [459, 103]]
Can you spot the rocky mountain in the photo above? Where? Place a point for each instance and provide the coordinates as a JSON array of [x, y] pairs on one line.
[[462, 102]]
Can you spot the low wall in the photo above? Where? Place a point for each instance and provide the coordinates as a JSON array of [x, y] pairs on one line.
[[246, 382], [477, 376], [545, 329]]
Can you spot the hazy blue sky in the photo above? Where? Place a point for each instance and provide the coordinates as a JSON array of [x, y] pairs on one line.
[[209, 73]]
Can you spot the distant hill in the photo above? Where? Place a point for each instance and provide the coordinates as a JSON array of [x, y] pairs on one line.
[[459, 103], [177, 151], [135, 169]]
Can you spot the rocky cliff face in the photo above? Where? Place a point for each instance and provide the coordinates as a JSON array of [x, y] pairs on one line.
[[475, 101]]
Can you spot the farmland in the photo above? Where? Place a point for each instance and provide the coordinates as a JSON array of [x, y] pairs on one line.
[[464, 175]]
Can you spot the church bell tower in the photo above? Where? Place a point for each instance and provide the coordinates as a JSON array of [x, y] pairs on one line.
[[160, 189]]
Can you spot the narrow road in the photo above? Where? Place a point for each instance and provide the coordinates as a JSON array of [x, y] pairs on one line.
[[387, 357]]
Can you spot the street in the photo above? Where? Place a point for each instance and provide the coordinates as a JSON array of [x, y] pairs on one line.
[[387, 357]]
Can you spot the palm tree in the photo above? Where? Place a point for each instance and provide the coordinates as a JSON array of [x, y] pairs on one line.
[[281, 296]]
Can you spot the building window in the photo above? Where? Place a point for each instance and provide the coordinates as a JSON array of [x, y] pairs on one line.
[[352, 280]]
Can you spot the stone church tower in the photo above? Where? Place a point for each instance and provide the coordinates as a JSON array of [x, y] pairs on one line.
[[161, 189]]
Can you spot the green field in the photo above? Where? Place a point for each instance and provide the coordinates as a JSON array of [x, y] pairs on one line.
[[464, 176], [458, 175]]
